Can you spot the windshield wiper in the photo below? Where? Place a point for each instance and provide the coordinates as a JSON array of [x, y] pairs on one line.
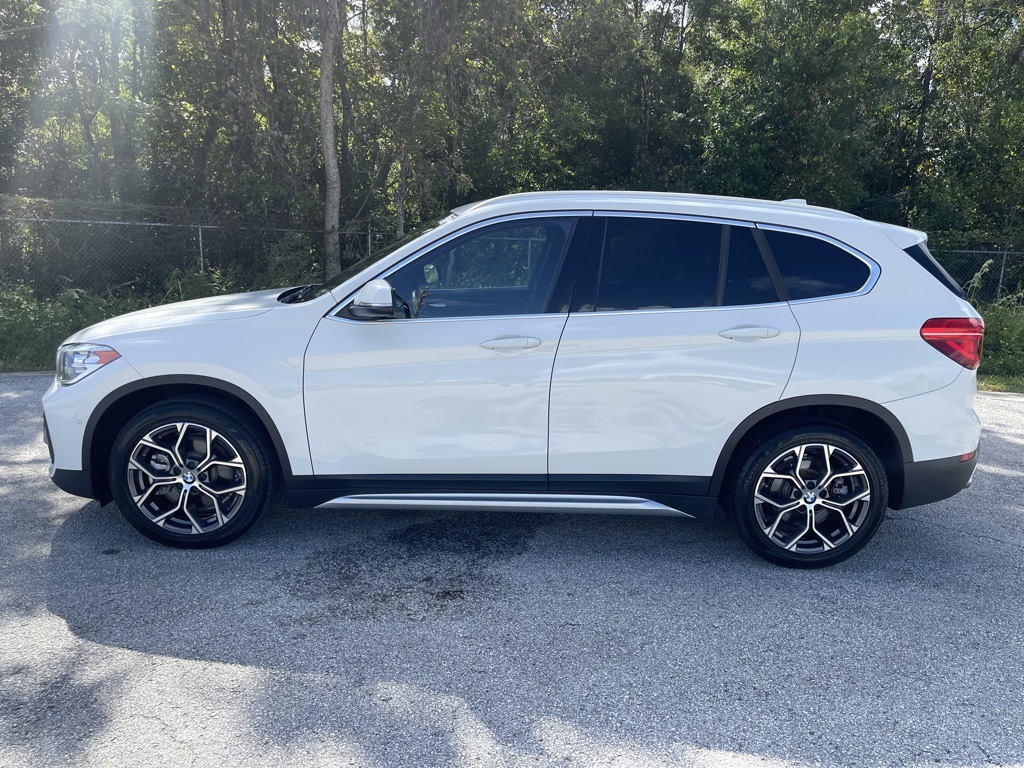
[[294, 295]]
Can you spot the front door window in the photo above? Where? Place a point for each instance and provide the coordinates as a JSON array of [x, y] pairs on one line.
[[503, 269]]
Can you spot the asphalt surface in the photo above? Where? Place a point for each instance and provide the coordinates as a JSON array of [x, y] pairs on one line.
[[432, 639]]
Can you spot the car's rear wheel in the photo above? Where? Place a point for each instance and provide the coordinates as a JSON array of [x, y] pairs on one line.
[[808, 498], [191, 473]]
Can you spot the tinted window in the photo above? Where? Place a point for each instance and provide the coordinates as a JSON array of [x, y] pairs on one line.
[[504, 269], [812, 268], [658, 264], [923, 256], [747, 280]]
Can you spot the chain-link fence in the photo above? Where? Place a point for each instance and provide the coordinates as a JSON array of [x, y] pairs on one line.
[[51, 255], [54, 255], [986, 275]]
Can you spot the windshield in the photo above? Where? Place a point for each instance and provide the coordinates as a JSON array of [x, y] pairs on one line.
[[312, 292]]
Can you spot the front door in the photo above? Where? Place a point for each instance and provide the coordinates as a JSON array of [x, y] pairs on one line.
[[458, 390]]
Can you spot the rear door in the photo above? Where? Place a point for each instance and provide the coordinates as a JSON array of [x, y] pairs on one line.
[[677, 335]]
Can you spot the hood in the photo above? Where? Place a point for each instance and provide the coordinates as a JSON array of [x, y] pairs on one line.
[[232, 307]]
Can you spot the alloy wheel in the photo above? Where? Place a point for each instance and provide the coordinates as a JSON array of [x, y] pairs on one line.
[[812, 498], [186, 478]]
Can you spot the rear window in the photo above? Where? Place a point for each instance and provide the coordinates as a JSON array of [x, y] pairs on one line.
[[923, 256]]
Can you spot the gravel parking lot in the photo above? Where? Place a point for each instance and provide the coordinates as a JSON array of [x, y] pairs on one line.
[[430, 639]]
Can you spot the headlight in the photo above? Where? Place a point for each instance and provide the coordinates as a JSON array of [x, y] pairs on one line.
[[76, 361]]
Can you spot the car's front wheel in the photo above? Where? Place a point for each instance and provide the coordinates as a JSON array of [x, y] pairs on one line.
[[191, 473], [809, 497]]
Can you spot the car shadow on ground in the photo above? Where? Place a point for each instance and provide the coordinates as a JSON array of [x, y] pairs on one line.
[[525, 633]]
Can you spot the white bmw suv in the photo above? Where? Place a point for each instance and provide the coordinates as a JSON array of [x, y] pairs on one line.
[[598, 352]]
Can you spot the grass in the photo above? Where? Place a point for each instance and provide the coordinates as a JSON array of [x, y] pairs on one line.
[[996, 382]]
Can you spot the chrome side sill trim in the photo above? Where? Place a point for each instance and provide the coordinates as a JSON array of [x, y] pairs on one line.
[[507, 502]]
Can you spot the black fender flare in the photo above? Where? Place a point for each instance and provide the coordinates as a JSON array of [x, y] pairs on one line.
[[186, 380], [793, 403]]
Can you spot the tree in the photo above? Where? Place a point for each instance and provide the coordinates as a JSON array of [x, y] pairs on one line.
[[331, 34], [793, 95], [22, 46]]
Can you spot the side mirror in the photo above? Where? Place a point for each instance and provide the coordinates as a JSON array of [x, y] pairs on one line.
[[375, 301]]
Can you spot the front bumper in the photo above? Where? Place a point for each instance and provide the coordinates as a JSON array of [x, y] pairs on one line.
[[75, 481]]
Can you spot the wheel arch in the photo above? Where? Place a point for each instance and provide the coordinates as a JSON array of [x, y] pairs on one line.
[[873, 423], [118, 407]]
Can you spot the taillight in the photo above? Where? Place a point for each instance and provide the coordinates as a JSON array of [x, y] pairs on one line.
[[958, 338]]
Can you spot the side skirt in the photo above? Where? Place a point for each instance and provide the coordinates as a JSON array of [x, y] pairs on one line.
[[511, 502], [619, 495], [588, 494]]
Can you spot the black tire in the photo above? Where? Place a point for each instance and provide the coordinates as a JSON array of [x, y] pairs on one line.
[[199, 449], [803, 526]]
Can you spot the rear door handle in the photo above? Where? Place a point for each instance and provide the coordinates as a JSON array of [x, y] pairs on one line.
[[749, 332], [510, 343]]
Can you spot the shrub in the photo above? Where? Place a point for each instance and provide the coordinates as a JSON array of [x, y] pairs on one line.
[[32, 328], [1004, 338]]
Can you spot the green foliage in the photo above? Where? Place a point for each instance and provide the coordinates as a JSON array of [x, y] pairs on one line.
[[21, 52], [911, 112], [789, 122], [291, 260], [1000, 383], [182, 285], [973, 287], [31, 329], [185, 111], [1003, 354]]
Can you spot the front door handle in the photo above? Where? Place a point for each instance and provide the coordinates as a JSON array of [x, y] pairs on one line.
[[510, 343], [749, 332]]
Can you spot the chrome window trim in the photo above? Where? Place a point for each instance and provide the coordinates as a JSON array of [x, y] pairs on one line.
[[874, 269], [676, 216], [724, 307], [443, 319]]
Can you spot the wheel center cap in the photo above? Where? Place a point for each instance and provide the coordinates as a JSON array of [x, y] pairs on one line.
[[188, 478], [810, 497]]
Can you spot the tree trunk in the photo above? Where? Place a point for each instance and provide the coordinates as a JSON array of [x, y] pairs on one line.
[[332, 193], [117, 142], [403, 174]]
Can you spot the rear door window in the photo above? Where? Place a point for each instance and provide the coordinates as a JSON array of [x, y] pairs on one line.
[[651, 263], [747, 280]]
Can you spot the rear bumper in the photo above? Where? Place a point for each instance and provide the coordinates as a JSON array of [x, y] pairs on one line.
[[925, 482]]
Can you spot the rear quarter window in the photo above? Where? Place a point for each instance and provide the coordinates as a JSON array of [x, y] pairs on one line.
[[812, 268], [923, 256]]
